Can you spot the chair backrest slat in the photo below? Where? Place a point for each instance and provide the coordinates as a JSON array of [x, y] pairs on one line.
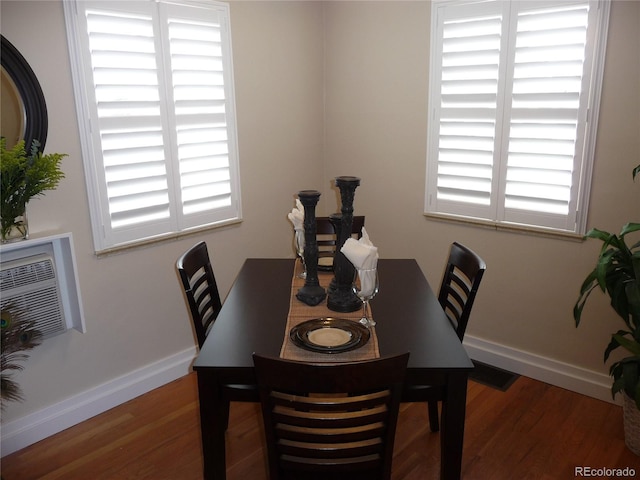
[[330, 420]]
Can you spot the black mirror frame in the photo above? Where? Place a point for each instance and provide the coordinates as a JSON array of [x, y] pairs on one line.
[[35, 107]]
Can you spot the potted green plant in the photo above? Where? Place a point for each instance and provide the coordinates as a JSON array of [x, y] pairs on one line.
[[22, 177], [617, 273]]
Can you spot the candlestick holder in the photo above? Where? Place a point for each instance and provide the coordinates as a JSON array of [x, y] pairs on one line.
[[311, 293], [336, 222], [341, 297]]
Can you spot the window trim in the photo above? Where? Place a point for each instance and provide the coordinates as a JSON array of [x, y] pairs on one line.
[[596, 40], [93, 167]]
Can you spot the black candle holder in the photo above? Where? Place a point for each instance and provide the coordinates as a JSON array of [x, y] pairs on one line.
[[336, 222], [312, 293], [341, 295]]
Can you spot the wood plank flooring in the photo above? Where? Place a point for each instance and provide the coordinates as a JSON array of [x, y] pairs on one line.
[[531, 431]]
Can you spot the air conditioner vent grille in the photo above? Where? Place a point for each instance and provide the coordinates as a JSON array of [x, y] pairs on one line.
[[27, 274], [38, 307], [30, 285]]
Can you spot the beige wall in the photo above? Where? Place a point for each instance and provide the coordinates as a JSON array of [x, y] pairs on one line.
[[135, 311], [323, 89], [376, 85]]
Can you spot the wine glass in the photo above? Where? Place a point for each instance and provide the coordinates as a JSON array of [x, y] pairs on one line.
[[365, 286], [299, 239]]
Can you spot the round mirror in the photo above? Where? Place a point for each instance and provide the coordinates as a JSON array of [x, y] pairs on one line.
[[22, 104]]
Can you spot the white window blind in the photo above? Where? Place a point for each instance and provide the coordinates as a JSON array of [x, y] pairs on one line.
[[514, 94], [154, 91]]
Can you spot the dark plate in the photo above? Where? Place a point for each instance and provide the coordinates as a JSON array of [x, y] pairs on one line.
[[329, 335]]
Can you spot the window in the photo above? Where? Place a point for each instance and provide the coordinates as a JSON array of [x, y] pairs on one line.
[[514, 97], [155, 102]]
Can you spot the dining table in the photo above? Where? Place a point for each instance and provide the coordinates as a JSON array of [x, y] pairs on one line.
[[408, 318]]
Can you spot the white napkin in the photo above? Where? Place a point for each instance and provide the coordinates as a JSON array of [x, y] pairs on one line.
[[297, 219], [364, 256], [297, 216], [362, 253]]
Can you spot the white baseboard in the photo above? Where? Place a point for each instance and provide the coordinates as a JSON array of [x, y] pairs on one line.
[[560, 374], [36, 426]]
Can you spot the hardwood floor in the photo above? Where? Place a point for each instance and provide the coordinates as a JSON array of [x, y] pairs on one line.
[[531, 431]]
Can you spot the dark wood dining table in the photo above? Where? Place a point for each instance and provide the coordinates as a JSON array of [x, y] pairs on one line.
[[409, 318]]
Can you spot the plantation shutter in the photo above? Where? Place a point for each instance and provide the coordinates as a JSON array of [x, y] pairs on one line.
[[200, 75], [513, 83], [466, 107], [546, 112], [160, 104], [130, 123]]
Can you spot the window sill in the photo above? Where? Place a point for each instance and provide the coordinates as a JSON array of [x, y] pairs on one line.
[[507, 227], [164, 238]]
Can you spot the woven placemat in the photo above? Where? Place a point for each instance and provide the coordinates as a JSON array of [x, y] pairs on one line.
[[300, 312]]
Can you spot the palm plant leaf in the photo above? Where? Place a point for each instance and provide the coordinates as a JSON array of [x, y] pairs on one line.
[[631, 345], [589, 284], [18, 335], [613, 344]]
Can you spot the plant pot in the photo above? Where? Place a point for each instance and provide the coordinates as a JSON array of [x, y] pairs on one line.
[[17, 230], [631, 415]]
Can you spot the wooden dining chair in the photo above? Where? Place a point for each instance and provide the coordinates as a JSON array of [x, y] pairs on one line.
[[203, 298], [330, 420], [201, 289], [460, 282], [326, 234]]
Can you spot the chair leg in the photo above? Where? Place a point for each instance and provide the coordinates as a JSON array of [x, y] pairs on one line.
[[433, 415]]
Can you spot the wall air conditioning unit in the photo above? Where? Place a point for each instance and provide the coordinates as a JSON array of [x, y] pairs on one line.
[[39, 279], [31, 285]]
